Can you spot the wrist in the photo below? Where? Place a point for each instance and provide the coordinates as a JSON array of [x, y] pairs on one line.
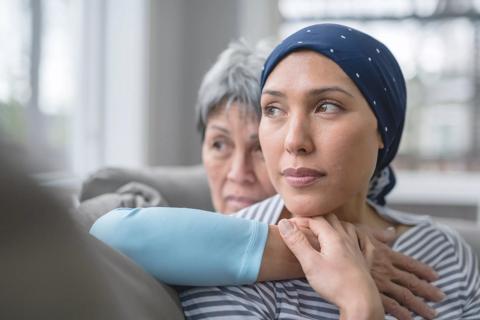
[[364, 310], [363, 306]]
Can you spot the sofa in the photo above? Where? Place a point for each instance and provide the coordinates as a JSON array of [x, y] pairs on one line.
[[186, 186]]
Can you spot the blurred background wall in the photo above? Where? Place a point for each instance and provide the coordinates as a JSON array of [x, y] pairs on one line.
[[90, 83]]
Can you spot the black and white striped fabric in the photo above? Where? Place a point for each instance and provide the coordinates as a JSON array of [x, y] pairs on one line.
[[436, 245]]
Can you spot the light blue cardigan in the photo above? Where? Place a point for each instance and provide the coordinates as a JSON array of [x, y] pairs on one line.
[[182, 246]]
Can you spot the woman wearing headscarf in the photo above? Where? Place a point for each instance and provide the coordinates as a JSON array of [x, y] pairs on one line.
[[333, 108], [348, 173]]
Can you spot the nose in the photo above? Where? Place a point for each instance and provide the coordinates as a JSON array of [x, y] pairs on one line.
[[241, 168], [298, 140]]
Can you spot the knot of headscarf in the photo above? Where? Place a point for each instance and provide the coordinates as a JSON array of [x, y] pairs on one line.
[[373, 69]]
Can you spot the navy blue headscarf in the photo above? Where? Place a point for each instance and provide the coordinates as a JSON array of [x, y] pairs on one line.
[[374, 70]]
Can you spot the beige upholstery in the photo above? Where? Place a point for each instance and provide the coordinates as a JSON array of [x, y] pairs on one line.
[[179, 186], [51, 269]]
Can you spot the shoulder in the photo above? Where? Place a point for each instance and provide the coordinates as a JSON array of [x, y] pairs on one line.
[[428, 240], [435, 244], [443, 248]]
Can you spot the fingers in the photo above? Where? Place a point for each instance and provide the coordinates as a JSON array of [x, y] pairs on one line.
[[325, 228], [127, 200], [393, 308], [386, 236], [310, 237], [131, 187], [140, 201], [366, 246], [411, 265], [321, 228], [408, 300], [300, 221], [334, 222], [298, 244], [418, 286], [343, 228], [141, 195]]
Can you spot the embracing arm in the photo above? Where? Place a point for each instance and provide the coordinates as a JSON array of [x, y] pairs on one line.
[[195, 247], [186, 246]]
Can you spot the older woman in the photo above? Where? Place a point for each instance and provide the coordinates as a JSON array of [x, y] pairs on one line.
[[247, 251], [228, 121]]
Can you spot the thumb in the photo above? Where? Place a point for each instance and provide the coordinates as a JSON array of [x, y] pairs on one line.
[[297, 242]]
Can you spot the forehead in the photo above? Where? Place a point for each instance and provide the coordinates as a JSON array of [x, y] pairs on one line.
[[235, 112], [308, 69]]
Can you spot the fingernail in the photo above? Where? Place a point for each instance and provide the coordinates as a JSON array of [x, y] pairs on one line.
[[441, 294], [390, 229], [285, 227], [432, 313]]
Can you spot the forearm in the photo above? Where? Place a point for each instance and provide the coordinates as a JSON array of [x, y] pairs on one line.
[[278, 262]]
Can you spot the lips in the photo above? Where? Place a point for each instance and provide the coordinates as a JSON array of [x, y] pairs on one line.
[[302, 177], [240, 201]]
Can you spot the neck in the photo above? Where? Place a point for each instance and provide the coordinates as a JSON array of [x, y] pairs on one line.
[[356, 210]]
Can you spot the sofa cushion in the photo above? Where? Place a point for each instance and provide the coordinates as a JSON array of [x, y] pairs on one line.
[[180, 186]]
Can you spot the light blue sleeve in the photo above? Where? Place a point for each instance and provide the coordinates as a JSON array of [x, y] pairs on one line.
[[186, 246]]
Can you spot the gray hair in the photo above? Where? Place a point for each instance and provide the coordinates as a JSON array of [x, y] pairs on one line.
[[235, 77]]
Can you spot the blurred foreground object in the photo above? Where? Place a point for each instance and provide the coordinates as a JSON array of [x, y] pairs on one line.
[[51, 269]]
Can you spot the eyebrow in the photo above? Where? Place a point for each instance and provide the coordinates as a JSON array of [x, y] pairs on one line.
[[312, 92], [214, 126]]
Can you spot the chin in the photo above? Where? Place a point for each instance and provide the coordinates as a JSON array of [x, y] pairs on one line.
[[230, 210], [310, 205]]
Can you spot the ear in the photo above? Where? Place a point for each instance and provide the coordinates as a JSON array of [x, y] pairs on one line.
[[380, 141]]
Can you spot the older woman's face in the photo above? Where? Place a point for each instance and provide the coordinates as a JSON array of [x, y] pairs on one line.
[[318, 135], [233, 160]]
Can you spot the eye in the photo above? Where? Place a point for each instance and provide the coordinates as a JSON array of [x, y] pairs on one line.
[[218, 145], [327, 107], [272, 111]]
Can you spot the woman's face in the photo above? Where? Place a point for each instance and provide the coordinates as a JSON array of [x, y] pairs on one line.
[[233, 159], [318, 134]]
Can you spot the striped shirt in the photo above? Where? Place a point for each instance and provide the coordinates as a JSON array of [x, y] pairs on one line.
[[436, 245]]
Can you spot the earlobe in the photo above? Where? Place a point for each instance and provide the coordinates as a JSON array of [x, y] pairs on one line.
[[380, 141]]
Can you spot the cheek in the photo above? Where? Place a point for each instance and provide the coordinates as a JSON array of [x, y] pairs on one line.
[[272, 147], [352, 154], [216, 175], [263, 178]]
